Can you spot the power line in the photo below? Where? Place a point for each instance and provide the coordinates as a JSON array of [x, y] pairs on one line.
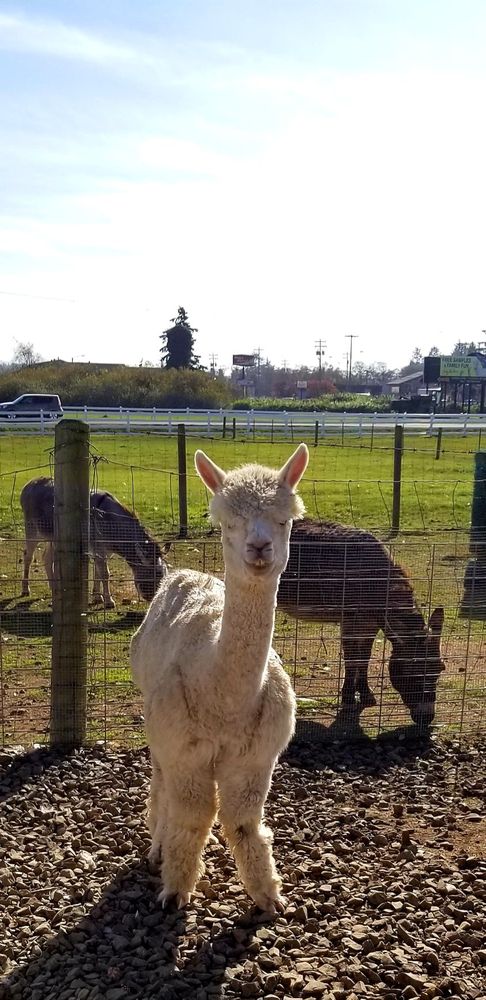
[[30, 295]]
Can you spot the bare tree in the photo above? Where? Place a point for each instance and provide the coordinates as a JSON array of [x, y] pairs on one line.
[[25, 355]]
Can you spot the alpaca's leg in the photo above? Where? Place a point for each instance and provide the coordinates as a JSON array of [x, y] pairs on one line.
[[357, 652], [243, 788], [30, 547], [191, 808], [156, 812]]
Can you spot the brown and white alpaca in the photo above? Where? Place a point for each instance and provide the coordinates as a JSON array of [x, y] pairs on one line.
[[219, 707], [113, 529], [342, 574]]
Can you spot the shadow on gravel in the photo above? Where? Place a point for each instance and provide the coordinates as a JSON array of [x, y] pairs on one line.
[[344, 745], [17, 770], [126, 948]]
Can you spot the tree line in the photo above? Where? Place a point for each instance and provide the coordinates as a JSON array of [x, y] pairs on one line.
[[181, 380]]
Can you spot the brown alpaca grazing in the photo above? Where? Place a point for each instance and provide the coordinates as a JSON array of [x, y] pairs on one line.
[[345, 575]]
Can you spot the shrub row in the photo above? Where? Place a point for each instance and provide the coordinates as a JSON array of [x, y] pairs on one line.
[[93, 385], [343, 402]]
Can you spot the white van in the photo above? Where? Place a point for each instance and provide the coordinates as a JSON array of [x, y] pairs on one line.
[[29, 407]]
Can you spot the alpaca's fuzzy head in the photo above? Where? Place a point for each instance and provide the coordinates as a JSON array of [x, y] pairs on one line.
[[255, 507]]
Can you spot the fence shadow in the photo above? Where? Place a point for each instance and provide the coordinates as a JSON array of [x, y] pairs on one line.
[[128, 921]]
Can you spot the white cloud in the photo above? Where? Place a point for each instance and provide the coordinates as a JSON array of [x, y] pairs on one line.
[[50, 37], [357, 206]]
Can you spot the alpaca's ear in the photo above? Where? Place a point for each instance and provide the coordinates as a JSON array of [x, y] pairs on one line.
[[291, 473], [212, 476]]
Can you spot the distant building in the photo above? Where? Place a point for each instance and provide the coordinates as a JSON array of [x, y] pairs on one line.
[[405, 386]]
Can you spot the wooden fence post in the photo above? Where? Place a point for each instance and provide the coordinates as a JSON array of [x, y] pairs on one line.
[[316, 433], [181, 453], [439, 444], [70, 589], [397, 478]]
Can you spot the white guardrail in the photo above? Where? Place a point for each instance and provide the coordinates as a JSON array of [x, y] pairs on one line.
[[282, 422]]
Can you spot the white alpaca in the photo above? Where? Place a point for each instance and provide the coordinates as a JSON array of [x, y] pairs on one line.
[[219, 707]]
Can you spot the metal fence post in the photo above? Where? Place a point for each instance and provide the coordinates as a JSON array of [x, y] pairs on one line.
[[70, 590], [397, 478], [439, 444], [181, 455]]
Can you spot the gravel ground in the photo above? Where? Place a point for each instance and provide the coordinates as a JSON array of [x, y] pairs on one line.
[[382, 849]]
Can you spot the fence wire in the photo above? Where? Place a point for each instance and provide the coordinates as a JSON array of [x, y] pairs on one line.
[[433, 549]]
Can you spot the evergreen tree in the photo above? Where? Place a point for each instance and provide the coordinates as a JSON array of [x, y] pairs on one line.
[[178, 343]]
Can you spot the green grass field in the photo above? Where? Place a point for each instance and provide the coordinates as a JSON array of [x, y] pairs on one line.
[[349, 482]]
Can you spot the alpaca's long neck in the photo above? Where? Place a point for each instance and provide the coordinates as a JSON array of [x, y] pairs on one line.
[[246, 634]]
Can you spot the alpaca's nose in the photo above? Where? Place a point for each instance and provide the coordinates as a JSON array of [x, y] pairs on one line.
[[259, 551]]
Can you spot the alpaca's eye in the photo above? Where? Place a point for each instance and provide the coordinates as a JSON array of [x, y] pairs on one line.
[[283, 523]]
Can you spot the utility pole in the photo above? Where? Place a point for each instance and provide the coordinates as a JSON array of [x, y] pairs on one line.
[[212, 363], [320, 350], [351, 337], [257, 353]]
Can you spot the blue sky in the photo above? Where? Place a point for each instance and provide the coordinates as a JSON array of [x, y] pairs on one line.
[[286, 171]]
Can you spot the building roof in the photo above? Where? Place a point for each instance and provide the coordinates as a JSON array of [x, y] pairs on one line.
[[406, 378]]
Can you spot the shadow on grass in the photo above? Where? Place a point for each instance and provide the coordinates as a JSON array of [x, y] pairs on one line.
[[18, 617], [130, 620]]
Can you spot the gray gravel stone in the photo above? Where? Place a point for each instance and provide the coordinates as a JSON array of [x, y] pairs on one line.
[[370, 914]]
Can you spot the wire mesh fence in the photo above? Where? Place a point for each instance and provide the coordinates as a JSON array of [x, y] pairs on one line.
[[344, 483]]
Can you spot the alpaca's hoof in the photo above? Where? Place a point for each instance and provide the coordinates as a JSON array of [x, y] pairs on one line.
[[271, 904], [25, 592], [181, 898]]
